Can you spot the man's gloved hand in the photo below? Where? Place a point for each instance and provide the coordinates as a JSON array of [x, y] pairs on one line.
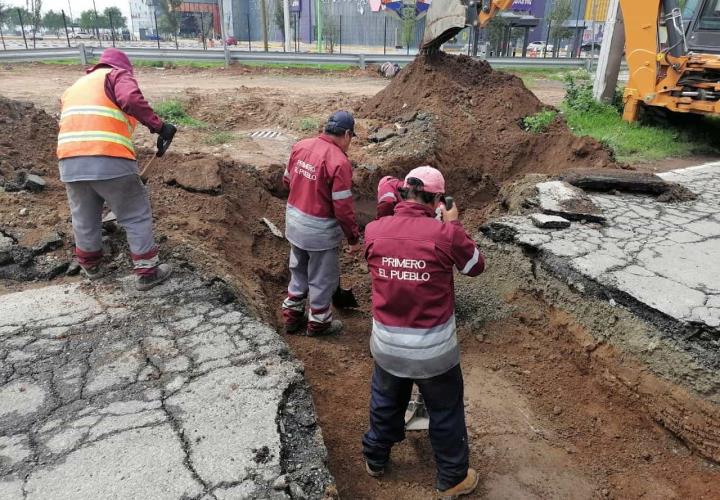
[[165, 137]]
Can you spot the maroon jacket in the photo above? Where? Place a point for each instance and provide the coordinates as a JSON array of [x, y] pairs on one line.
[[388, 196], [320, 206], [411, 257], [122, 89]]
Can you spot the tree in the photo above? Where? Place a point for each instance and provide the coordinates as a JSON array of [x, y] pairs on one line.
[[279, 17], [89, 22], [14, 17], [35, 18], [558, 17], [408, 20], [169, 22], [495, 33], [53, 21], [115, 20]]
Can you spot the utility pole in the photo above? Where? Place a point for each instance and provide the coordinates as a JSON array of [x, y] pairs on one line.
[[223, 33], [318, 24], [97, 29], [286, 23], [263, 6], [611, 53]]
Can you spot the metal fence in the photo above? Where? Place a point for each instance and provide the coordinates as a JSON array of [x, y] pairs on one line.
[[349, 28], [85, 54]]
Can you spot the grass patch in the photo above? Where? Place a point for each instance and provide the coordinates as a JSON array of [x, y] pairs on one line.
[[217, 138], [557, 73], [173, 111], [539, 122], [308, 124], [320, 67], [636, 142], [146, 63]]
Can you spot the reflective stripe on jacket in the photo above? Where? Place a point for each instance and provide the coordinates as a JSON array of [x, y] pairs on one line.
[[91, 124], [411, 257], [320, 205]]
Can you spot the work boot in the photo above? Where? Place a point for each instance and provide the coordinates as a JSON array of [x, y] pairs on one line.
[[335, 326], [93, 273], [296, 326], [464, 487], [144, 283], [374, 470]]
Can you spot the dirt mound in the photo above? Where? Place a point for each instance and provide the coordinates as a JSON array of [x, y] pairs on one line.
[[28, 138], [478, 140]]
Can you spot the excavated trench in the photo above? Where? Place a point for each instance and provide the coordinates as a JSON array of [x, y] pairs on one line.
[[554, 358], [561, 401]]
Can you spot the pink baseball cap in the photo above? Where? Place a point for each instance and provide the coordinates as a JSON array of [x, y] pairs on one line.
[[433, 181]]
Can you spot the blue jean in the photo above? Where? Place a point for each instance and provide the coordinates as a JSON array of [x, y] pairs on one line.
[[443, 396]]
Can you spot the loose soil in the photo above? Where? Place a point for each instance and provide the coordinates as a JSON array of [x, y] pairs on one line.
[[545, 420]]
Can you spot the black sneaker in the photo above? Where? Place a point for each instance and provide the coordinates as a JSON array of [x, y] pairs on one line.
[[144, 283]]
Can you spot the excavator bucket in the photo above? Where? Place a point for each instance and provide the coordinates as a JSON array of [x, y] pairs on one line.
[[445, 19]]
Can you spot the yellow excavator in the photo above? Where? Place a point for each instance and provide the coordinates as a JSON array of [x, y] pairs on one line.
[[673, 62]]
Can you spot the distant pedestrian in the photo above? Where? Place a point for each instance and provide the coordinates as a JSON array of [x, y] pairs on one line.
[[98, 165], [411, 256], [319, 214]]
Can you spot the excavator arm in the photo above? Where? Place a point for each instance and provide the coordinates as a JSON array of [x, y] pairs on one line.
[[446, 18]]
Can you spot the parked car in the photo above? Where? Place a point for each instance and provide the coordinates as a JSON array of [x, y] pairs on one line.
[[231, 40], [35, 35], [154, 38], [83, 35], [588, 46], [540, 46]]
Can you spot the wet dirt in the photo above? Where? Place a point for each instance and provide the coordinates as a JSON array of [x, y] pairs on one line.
[[478, 139], [545, 420]]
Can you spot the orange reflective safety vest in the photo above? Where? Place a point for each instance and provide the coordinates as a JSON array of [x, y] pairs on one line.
[[91, 124]]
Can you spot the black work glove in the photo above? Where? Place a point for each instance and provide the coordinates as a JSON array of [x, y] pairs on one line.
[[165, 137]]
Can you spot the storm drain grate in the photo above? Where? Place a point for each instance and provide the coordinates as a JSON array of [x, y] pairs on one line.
[[265, 134]]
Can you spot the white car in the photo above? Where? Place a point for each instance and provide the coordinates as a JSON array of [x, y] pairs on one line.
[[82, 35], [540, 46]]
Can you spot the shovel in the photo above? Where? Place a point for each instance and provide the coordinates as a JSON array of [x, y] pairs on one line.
[[416, 415]]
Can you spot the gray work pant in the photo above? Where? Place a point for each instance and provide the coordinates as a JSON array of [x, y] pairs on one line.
[[128, 199], [313, 276]]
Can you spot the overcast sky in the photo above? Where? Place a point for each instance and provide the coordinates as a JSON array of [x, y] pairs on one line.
[[77, 6]]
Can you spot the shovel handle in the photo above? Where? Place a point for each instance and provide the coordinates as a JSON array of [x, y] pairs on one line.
[[146, 168]]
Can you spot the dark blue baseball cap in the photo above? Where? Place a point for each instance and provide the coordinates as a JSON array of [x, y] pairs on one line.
[[339, 122]]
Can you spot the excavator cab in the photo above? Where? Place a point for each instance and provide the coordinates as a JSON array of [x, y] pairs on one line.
[[702, 20]]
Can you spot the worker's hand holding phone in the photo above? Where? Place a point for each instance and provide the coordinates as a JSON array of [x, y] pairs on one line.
[[449, 210]]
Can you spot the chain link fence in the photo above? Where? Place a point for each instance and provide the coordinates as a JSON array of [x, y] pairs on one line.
[[339, 26]]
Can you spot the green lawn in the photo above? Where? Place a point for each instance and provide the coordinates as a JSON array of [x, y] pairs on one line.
[[636, 143]]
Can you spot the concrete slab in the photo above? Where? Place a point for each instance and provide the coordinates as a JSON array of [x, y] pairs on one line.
[[565, 200], [108, 393], [662, 255]]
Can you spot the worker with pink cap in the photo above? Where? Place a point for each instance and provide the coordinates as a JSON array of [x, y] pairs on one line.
[[411, 256]]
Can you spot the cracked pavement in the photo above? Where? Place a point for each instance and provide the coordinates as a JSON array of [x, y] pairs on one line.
[[660, 255], [109, 393]]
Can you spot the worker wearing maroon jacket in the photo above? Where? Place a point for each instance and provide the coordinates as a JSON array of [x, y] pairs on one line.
[[319, 213], [388, 196], [411, 257]]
